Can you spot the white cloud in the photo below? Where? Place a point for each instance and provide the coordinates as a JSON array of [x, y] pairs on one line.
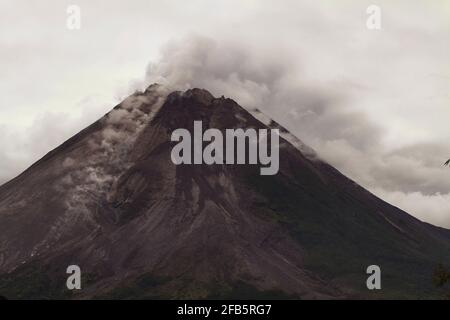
[[434, 209]]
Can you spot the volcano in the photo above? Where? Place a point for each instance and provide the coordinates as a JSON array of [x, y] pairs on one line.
[[111, 201]]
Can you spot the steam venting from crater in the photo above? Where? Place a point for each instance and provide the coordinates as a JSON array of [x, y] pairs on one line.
[[326, 116], [93, 176]]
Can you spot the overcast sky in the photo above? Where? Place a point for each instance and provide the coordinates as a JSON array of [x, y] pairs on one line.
[[374, 103]]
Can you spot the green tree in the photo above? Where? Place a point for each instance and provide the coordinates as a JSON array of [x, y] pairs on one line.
[[440, 275]]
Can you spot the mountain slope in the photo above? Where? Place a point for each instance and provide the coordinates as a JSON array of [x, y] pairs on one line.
[[111, 201]]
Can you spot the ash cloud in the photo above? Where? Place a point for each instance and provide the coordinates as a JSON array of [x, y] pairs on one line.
[[20, 148], [325, 116]]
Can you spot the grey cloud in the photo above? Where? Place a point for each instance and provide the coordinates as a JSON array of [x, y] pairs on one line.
[[23, 146], [325, 116], [270, 83], [416, 168]]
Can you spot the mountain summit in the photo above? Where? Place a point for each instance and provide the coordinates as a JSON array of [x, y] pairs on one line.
[[111, 201]]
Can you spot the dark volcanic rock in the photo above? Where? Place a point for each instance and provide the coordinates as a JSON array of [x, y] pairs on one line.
[[111, 201]]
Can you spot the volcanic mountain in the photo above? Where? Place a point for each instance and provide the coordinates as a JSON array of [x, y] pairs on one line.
[[111, 201]]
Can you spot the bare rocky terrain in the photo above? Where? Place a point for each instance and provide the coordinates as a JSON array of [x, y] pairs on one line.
[[111, 201]]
